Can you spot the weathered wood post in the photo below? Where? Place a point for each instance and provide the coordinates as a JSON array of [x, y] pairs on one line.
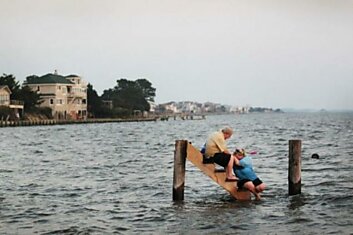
[[179, 170], [294, 168]]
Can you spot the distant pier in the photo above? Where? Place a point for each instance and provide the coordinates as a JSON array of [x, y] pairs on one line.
[[181, 116]]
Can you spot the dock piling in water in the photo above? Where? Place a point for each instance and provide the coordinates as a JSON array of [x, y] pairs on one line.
[[179, 170], [294, 167]]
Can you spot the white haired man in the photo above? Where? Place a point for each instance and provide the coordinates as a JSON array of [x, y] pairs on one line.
[[216, 148]]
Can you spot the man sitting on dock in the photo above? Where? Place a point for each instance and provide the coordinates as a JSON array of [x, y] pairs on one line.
[[217, 149]]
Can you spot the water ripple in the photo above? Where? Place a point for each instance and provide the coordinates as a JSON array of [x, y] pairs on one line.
[[117, 178]]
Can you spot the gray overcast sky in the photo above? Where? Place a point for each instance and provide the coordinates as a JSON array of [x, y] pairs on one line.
[[270, 53]]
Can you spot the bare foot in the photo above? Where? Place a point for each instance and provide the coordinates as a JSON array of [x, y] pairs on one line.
[[258, 198]]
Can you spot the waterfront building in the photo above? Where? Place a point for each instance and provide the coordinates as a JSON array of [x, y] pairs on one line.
[[15, 106], [171, 107], [65, 95], [5, 93], [153, 106]]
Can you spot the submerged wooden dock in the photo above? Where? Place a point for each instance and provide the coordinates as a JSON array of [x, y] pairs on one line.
[[185, 150]]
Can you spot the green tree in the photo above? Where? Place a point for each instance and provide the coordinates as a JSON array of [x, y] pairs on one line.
[[94, 102], [131, 95], [30, 98], [148, 91]]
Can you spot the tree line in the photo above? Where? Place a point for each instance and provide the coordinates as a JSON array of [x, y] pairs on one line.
[[123, 100]]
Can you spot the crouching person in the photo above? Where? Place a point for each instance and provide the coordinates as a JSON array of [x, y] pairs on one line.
[[246, 174], [216, 149]]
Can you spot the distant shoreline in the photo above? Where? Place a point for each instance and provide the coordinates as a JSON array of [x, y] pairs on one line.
[[46, 122]]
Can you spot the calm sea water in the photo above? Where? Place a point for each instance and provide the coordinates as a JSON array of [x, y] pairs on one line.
[[117, 178]]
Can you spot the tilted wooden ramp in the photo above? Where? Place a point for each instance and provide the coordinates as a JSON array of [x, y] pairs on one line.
[[194, 156]]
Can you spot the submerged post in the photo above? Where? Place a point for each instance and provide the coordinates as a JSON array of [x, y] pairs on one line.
[[294, 168], [179, 170]]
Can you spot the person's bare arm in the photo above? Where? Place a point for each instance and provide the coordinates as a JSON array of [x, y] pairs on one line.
[[236, 160]]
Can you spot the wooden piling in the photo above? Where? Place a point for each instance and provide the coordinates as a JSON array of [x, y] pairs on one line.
[[294, 167], [179, 169]]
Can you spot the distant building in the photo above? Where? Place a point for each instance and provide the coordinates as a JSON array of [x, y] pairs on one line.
[[153, 106], [5, 93], [171, 107], [66, 96], [240, 109], [15, 105]]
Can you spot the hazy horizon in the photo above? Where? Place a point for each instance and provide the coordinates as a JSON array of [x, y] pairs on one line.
[[278, 54]]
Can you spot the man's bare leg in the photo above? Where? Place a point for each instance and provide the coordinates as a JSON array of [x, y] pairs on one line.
[[229, 169]]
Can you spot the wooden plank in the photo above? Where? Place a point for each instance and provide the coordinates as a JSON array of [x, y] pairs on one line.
[[194, 156]]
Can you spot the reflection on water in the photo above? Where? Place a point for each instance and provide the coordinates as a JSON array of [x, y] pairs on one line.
[[117, 178], [296, 202]]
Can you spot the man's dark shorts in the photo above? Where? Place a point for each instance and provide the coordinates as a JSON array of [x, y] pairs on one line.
[[221, 159], [256, 182]]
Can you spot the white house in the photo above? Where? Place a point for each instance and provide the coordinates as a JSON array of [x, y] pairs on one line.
[[65, 95]]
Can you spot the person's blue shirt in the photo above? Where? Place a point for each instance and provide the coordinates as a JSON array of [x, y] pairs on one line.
[[245, 170]]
